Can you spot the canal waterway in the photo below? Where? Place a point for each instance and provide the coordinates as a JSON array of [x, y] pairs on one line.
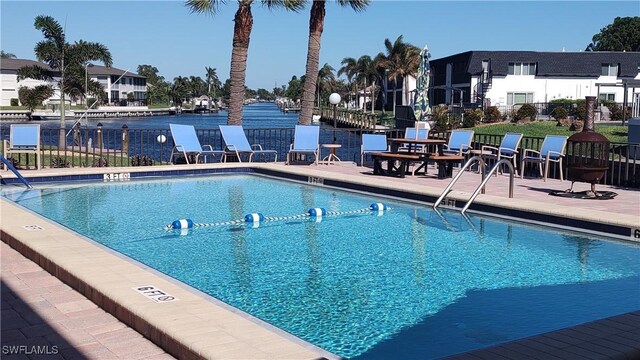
[[254, 116]]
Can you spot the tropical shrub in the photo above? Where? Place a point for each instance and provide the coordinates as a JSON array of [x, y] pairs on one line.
[[580, 109], [559, 113], [33, 97], [526, 112], [576, 125], [492, 114], [615, 112], [59, 162], [14, 102], [440, 116], [100, 162], [141, 160], [472, 117]]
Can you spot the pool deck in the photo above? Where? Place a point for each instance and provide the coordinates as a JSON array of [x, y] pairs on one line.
[[196, 325]]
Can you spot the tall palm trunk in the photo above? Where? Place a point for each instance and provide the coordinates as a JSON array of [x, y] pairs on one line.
[[373, 96], [316, 23], [395, 88], [241, 36], [62, 136]]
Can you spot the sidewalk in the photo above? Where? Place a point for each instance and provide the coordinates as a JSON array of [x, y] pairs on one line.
[[42, 318]]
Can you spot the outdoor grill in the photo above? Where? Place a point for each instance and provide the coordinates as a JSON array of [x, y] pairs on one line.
[[588, 152]]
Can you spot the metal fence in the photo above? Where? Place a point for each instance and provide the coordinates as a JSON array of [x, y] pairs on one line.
[[95, 147]]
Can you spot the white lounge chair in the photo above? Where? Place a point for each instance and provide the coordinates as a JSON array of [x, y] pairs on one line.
[[237, 143], [186, 143], [306, 140], [24, 139]]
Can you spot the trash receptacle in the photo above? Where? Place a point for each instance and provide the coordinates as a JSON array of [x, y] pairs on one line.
[[634, 138]]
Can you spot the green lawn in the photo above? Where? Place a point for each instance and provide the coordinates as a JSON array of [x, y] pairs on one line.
[[616, 134]]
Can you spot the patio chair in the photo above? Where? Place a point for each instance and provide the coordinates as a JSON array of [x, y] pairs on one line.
[[459, 142], [508, 149], [413, 133], [24, 139], [372, 143], [186, 143], [237, 143], [306, 140], [552, 151]]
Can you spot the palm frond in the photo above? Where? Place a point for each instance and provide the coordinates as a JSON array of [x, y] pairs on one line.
[[204, 6], [356, 5], [51, 29], [34, 72], [292, 5]]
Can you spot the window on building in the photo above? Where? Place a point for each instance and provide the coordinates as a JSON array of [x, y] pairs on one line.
[[609, 69], [522, 69], [519, 98], [607, 97]]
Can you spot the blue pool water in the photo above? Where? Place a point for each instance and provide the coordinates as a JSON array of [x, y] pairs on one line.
[[411, 283]]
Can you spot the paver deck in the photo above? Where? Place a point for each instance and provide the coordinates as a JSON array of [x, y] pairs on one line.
[[42, 313], [530, 194]]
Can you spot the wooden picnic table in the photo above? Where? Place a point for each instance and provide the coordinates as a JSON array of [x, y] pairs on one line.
[[404, 159], [415, 143]]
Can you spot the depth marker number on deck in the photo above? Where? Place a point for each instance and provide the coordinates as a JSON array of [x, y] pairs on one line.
[[154, 294]]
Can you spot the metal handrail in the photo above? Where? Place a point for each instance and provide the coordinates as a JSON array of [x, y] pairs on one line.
[[446, 191], [486, 179]]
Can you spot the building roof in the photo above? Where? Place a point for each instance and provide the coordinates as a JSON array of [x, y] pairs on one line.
[[103, 70], [12, 65], [553, 64]]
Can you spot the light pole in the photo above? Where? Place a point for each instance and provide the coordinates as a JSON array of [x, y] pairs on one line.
[[86, 83], [334, 99]]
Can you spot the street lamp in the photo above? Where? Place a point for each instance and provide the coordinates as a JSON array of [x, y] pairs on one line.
[[334, 99], [86, 83]]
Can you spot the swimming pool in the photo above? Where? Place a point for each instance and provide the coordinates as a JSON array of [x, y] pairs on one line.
[[409, 283]]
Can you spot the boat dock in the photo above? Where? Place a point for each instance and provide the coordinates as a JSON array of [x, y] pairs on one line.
[[114, 112]]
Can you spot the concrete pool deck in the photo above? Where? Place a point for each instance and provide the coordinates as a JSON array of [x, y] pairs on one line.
[[198, 326]]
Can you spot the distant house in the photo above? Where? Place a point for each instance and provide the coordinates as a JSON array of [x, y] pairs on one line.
[[116, 91], [504, 78]]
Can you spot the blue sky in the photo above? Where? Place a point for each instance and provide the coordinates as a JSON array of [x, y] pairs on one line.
[[166, 35]]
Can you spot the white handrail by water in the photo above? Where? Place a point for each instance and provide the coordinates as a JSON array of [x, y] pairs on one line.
[[486, 179], [446, 191]]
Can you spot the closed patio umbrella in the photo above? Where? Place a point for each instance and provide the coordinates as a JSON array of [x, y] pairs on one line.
[[421, 105]]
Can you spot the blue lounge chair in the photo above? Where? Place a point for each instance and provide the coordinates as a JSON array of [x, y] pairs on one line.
[[552, 151], [372, 143], [24, 139], [186, 143], [237, 143], [306, 140], [459, 142], [508, 148]]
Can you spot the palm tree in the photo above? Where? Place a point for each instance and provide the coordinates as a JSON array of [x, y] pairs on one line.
[[316, 25], [7, 55], [401, 60], [349, 69], [64, 60], [325, 78], [241, 35], [179, 90], [361, 70], [213, 83]]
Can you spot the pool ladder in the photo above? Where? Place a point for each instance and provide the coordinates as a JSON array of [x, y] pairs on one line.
[[485, 179]]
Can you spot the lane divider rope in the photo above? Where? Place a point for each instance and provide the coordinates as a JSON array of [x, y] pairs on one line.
[[256, 218]]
